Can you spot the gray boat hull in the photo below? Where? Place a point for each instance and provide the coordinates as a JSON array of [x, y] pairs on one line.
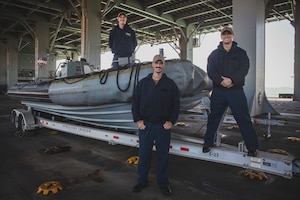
[[104, 98], [117, 86]]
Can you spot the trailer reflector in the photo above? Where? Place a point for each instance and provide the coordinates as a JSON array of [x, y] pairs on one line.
[[184, 149]]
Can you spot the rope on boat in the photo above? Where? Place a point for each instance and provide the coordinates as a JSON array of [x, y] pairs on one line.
[[137, 74], [129, 81], [104, 75], [69, 82]]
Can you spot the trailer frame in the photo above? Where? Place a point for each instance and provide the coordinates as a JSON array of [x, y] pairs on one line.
[[277, 164]]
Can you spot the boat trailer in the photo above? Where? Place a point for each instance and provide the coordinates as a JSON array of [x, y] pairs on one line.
[[277, 164]]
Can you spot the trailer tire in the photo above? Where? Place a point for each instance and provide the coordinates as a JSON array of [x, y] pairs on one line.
[[21, 126], [14, 120]]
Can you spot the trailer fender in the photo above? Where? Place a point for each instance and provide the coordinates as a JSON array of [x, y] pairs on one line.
[[23, 120]]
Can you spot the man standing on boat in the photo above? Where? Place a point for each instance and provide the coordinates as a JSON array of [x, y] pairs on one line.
[[227, 67], [122, 40], [155, 109]]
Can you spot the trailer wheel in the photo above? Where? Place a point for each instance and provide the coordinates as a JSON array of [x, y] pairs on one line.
[[14, 120], [21, 126]]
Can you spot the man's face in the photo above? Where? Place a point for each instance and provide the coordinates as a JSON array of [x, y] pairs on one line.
[[227, 37], [158, 66], [122, 19]]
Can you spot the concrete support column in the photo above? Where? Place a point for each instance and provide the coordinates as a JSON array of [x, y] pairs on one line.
[[51, 65], [297, 52], [186, 44], [42, 51], [183, 44], [90, 32], [12, 62], [189, 45], [3, 68], [249, 29]]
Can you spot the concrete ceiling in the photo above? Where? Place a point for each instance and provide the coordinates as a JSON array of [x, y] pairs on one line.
[[155, 21]]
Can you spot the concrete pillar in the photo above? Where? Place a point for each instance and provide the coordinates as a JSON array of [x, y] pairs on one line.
[[51, 65], [186, 44], [189, 45], [90, 32], [3, 68], [12, 62], [249, 29], [297, 53], [183, 44], [42, 50]]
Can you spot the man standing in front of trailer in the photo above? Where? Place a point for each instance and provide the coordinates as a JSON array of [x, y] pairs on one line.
[[155, 109]]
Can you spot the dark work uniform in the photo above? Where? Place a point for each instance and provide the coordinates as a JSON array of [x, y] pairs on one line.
[[155, 104], [122, 42], [234, 65]]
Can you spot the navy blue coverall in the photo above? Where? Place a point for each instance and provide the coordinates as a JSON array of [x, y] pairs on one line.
[[155, 104], [233, 64], [122, 42]]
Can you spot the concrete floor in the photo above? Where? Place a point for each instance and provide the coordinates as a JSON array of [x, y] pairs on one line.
[[94, 169]]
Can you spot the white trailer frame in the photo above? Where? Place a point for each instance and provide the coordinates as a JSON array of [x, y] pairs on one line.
[[277, 164]]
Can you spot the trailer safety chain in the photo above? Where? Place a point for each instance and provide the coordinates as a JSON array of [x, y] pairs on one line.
[[50, 186], [255, 174], [133, 160]]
